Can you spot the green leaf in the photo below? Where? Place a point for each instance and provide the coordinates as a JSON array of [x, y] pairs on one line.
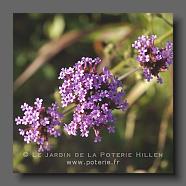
[[55, 28]]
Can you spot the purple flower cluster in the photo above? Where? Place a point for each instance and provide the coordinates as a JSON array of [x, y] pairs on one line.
[[153, 59], [95, 96], [39, 123]]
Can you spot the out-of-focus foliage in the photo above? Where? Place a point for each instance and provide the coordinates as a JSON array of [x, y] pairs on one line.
[[110, 38]]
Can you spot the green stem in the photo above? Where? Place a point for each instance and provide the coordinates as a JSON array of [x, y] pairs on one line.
[[167, 34], [166, 21], [120, 65], [69, 109], [129, 73]]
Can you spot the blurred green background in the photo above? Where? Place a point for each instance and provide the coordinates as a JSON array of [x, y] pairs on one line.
[[44, 43]]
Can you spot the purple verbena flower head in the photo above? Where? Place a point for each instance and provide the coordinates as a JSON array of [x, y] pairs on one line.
[[39, 123], [95, 95], [152, 59], [78, 80]]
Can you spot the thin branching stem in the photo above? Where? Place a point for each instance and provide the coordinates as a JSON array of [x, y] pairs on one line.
[[129, 73], [163, 18], [120, 78]]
